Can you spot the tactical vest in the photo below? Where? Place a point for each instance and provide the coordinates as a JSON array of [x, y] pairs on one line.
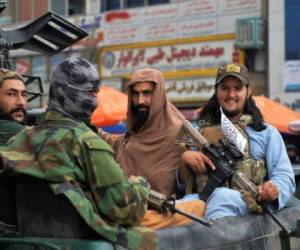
[[255, 170]]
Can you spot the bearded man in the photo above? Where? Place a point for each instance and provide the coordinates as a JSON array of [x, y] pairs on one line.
[[265, 161], [13, 104], [148, 148]]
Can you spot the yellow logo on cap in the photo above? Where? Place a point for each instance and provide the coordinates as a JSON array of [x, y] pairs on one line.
[[233, 68]]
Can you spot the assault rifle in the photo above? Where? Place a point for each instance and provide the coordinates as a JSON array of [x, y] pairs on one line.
[[165, 204], [224, 157]]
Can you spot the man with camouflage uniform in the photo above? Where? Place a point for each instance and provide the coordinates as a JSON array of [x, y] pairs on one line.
[[13, 104], [265, 160], [65, 151]]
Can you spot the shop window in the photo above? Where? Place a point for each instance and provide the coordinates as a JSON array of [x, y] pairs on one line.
[[107, 5], [292, 29], [59, 7], [68, 7], [153, 2], [135, 3], [76, 7]]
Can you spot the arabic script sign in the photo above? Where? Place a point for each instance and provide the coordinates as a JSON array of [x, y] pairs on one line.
[[193, 89], [167, 58]]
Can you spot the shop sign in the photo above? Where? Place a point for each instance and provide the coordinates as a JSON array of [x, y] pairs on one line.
[[190, 90], [158, 14], [122, 34], [178, 20], [198, 27], [93, 24], [238, 6], [167, 58], [156, 31], [121, 17], [292, 75], [199, 8]]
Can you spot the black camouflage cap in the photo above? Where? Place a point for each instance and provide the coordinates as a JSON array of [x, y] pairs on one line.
[[78, 73], [233, 69], [9, 74], [71, 84]]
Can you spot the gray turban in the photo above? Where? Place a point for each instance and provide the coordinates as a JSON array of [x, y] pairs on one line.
[[71, 84]]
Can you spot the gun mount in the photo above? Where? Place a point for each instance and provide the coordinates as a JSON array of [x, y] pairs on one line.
[[47, 35]]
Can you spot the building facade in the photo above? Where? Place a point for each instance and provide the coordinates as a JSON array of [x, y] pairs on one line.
[[187, 40], [284, 52]]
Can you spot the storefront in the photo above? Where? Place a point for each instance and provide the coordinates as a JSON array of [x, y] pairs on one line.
[[189, 65]]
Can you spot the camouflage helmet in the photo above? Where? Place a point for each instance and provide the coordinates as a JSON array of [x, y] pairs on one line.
[[71, 84]]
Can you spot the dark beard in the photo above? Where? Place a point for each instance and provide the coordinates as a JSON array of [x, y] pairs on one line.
[[230, 113], [141, 116], [8, 116]]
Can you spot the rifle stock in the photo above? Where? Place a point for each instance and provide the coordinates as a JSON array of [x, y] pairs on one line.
[[165, 204]]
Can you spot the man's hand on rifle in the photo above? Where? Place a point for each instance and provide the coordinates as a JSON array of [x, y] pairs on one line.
[[268, 191], [197, 161]]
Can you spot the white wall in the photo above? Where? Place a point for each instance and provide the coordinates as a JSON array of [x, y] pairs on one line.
[[276, 53], [276, 47]]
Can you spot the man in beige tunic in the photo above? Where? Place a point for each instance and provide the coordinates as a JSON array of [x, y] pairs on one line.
[[148, 148]]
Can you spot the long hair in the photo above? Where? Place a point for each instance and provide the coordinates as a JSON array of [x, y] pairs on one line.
[[211, 112]]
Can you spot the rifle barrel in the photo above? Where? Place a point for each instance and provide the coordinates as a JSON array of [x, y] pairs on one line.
[[195, 218], [278, 222]]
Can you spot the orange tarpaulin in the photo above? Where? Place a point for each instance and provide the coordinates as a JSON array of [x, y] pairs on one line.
[[112, 107], [274, 113]]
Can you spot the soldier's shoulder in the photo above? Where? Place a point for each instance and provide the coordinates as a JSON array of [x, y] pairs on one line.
[[94, 141]]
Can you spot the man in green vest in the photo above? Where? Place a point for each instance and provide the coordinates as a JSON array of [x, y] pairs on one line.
[[13, 104]]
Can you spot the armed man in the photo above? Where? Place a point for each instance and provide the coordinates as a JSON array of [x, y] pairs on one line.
[[265, 161], [13, 104]]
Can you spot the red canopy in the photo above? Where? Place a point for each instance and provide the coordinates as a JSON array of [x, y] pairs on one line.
[[112, 107]]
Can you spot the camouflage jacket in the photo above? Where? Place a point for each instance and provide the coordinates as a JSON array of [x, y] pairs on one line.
[[73, 158], [8, 129]]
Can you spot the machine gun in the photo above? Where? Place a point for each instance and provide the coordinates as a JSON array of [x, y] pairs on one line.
[[47, 35], [224, 157], [165, 204]]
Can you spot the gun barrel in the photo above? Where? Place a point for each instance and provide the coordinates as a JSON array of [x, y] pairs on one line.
[[200, 139], [278, 222], [192, 217]]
